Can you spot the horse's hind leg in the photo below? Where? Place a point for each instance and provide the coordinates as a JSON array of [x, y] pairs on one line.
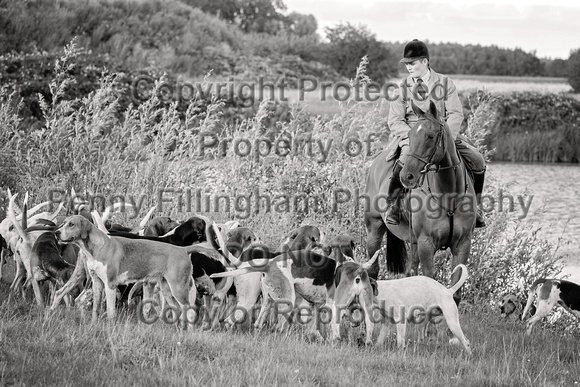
[[376, 229]]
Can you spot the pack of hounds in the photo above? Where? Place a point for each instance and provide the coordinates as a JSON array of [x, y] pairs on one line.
[[75, 259]]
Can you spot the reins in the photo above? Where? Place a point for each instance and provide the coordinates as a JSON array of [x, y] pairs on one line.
[[435, 167]]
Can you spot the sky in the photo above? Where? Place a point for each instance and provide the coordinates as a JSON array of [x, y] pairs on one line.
[[551, 28]]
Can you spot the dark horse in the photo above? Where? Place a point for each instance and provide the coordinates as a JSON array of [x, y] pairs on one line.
[[438, 213]]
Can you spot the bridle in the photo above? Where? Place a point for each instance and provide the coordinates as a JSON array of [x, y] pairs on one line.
[[440, 142]]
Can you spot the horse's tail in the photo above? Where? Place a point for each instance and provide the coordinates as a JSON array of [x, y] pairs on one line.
[[396, 252]]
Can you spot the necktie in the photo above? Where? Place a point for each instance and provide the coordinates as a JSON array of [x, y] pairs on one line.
[[421, 89]]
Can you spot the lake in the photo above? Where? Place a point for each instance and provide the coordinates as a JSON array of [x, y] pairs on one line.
[[556, 190]]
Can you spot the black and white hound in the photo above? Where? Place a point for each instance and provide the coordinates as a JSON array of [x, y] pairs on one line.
[[551, 292]]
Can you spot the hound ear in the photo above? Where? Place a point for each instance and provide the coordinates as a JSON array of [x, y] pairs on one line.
[[158, 227], [374, 286], [418, 112], [232, 224], [348, 251], [433, 109], [86, 227]]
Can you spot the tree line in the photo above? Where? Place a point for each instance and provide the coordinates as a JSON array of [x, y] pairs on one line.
[[236, 37]]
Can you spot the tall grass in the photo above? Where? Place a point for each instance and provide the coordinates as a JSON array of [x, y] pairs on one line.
[[91, 145]]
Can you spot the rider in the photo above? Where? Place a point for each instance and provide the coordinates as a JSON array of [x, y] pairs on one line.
[[422, 85]]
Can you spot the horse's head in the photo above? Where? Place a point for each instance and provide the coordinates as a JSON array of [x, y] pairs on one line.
[[427, 145]]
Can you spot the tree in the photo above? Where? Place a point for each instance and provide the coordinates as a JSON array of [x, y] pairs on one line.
[[249, 15], [574, 70], [348, 44], [226, 9], [556, 67], [301, 24]]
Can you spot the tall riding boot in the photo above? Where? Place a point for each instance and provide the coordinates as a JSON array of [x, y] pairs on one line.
[[478, 179], [395, 188]]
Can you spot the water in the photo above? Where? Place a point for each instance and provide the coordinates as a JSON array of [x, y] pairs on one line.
[[555, 205]]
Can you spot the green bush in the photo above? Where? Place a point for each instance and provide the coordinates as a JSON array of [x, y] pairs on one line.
[[532, 127], [574, 70]]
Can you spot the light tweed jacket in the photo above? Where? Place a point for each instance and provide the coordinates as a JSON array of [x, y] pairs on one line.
[[442, 91]]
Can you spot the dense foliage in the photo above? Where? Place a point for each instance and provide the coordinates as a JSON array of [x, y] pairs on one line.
[[347, 44], [536, 127], [193, 36], [453, 58], [574, 70], [84, 143]]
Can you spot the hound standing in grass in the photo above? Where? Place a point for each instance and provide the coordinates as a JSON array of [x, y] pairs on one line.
[[397, 300], [113, 261], [551, 292]]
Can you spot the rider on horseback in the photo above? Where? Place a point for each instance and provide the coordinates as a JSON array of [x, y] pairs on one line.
[[423, 85]]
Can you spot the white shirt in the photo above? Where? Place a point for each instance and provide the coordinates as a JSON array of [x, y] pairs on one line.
[[426, 78]]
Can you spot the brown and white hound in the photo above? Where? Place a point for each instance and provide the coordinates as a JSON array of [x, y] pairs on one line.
[[113, 261]]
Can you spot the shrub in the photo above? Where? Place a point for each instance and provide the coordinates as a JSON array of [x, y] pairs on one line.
[[574, 70], [532, 127]]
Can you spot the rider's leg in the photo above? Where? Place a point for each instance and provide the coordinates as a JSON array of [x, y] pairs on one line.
[[478, 180], [395, 187], [476, 163]]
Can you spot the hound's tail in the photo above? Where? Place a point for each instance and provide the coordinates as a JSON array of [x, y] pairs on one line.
[[256, 265], [532, 292], [143, 221], [20, 228], [462, 279], [136, 286]]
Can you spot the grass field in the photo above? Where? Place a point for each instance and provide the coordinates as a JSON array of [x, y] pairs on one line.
[[65, 349], [501, 84], [313, 101]]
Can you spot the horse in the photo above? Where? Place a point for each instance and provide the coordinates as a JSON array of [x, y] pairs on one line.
[[438, 212]]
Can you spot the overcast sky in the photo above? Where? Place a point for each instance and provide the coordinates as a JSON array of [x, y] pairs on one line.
[[549, 27]]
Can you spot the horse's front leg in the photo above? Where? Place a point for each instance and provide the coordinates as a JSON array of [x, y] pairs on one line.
[[460, 253], [413, 263], [426, 250], [376, 229]]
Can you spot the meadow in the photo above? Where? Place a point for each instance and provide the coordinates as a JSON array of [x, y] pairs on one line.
[[496, 85], [65, 349], [90, 144], [509, 84]]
